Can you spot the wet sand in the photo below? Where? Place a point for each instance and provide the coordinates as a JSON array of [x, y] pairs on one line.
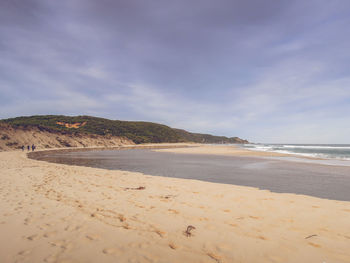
[[325, 181], [60, 213]]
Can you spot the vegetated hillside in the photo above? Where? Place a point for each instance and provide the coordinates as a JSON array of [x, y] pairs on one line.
[[137, 131], [207, 138]]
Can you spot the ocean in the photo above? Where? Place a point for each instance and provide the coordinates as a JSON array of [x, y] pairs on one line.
[[326, 151]]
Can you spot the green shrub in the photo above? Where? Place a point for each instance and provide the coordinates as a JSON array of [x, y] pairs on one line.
[[137, 131]]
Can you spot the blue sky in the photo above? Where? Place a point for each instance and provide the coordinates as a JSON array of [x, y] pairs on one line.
[[266, 71]]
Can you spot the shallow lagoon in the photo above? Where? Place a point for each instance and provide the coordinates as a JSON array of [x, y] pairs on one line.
[[274, 174]]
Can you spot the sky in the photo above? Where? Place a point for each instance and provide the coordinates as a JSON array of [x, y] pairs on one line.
[[267, 71]]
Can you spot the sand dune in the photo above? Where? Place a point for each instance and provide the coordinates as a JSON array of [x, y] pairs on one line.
[[59, 213], [12, 138]]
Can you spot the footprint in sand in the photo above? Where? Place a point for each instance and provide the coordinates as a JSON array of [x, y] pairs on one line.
[[7, 214], [32, 237], [126, 226], [61, 244], [215, 257], [173, 211], [24, 252], [50, 234], [92, 237], [172, 245], [44, 226], [160, 232], [111, 251], [51, 259], [314, 244], [143, 245], [27, 220], [121, 218]]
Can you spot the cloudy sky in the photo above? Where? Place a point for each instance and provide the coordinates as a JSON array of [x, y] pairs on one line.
[[267, 71]]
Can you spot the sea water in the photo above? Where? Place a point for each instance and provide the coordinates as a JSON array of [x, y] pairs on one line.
[[327, 151]]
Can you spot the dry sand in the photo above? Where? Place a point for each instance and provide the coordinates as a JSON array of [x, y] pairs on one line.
[[60, 213]]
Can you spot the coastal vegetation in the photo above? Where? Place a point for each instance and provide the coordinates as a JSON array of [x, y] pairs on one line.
[[137, 131]]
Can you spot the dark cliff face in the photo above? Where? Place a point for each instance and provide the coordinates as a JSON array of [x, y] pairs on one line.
[[138, 132]]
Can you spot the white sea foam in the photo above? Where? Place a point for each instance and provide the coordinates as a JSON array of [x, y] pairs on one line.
[[335, 152], [317, 147]]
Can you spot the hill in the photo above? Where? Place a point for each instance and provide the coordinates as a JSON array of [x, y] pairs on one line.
[[72, 130]]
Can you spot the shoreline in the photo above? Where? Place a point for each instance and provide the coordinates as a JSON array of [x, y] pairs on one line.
[[276, 174], [238, 151], [38, 153], [61, 213]]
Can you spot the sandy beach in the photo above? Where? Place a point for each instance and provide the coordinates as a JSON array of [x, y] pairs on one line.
[[221, 150], [60, 213]]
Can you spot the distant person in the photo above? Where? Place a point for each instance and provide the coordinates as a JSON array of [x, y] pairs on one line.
[[22, 148], [28, 148], [33, 148]]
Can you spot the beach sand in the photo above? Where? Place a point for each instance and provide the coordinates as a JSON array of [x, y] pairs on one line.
[[60, 213], [222, 150]]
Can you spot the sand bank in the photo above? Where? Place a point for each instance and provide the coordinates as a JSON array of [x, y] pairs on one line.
[[59, 213], [222, 150]]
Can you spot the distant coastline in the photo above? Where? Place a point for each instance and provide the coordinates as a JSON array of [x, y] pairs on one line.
[[56, 131]]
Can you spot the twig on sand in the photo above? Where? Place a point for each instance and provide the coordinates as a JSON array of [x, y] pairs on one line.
[[135, 188], [310, 236], [188, 231], [168, 196]]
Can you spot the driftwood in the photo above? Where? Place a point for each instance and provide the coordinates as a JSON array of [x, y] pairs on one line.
[[135, 188], [188, 231], [310, 236]]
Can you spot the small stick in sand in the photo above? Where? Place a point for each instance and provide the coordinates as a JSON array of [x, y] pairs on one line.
[[188, 231], [168, 196], [135, 188], [310, 236]]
